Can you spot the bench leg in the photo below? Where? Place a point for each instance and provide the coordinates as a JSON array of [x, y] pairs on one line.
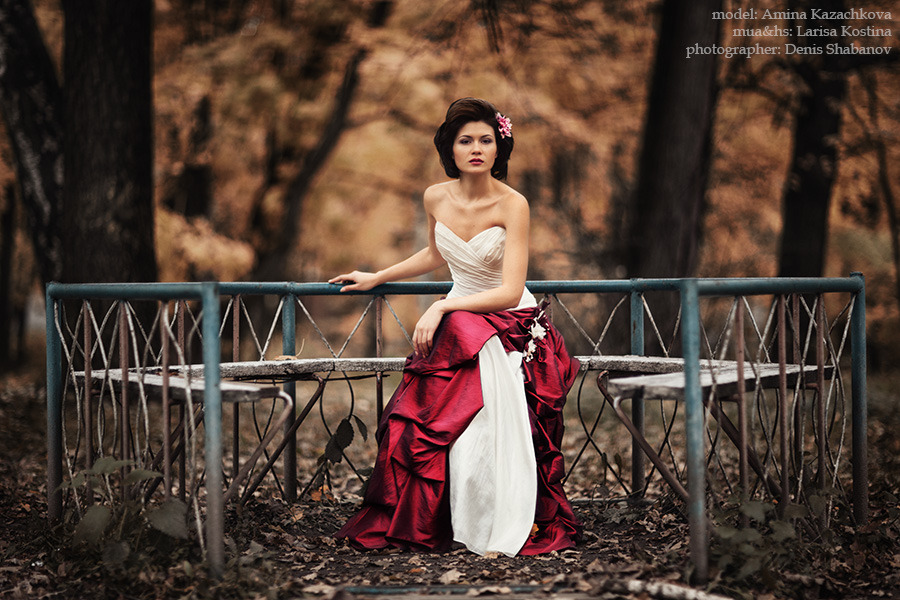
[[727, 426], [734, 435], [671, 479], [589, 441], [273, 430], [176, 452], [287, 436]]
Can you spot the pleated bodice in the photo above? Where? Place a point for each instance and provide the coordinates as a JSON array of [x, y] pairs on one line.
[[475, 265]]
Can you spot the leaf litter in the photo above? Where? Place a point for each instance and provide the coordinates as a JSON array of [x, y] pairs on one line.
[[277, 550]]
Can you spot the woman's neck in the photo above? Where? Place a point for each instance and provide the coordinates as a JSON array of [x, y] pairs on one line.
[[476, 187]]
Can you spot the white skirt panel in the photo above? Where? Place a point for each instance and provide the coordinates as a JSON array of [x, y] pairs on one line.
[[493, 472]]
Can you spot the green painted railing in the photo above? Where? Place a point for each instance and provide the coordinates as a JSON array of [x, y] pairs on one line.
[[209, 294]]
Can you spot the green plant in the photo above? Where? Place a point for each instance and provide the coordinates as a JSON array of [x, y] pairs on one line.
[[333, 454], [122, 522], [756, 541]]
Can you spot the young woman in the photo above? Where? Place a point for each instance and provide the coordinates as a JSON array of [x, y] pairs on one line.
[[468, 446]]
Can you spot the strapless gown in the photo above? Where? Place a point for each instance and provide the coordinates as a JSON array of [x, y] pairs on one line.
[[469, 445]]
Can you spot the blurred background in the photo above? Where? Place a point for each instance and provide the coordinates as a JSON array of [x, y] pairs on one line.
[[184, 140]]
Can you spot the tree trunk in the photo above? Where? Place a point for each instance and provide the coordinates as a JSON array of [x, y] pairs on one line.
[[108, 97], [875, 136], [31, 103], [273, 258], [670, 197], [665, 225], [7, 248], [806, 200]]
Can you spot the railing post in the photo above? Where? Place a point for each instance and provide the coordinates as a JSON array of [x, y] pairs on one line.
[[182, 406], [743, 433], [87, 408], [235, 409], [166, 404], [637, 322], [792, 304], [54, 412], [859, 402], [379, 352], [821, 430], [783, 416], [212, 422], [288, 348], [638, 478], [125, 410], [694, 426]]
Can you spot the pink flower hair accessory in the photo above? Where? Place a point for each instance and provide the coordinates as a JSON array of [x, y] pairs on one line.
[[505, 125]]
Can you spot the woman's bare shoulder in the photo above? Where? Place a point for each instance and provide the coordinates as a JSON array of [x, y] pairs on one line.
[[436, 193], [440, 189], [512, 200]]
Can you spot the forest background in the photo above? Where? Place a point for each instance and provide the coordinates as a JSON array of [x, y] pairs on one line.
[[183, 140], [291, 140]]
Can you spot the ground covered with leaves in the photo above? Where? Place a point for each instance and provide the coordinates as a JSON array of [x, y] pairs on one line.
[[275, 550]]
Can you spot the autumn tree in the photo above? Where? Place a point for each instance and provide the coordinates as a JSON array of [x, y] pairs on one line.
[[277, 243], [31, 105], [95, 134], [108, 198], [810, 87], [806, 200], [665, 220]]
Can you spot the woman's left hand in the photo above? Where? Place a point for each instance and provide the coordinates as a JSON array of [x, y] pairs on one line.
[[423, 336]]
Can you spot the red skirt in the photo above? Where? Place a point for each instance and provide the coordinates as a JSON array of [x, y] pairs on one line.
[[406, 504]]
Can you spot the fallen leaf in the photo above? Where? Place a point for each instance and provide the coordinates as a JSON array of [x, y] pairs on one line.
[[489, 590], [318, 589], [451, 576], [596, 566]]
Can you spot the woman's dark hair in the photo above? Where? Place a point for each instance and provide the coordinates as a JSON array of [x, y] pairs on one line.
[[468, 110]]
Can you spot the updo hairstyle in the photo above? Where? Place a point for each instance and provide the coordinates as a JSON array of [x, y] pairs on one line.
[[468, 110]]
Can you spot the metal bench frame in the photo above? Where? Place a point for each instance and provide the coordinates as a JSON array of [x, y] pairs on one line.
[[689, 290]]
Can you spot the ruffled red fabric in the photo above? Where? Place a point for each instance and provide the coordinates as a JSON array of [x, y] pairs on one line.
[[407, 504]]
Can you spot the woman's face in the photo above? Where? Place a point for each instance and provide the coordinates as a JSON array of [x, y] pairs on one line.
[[475, 149]]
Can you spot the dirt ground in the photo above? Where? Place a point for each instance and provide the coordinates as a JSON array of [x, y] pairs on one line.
[[276, 550]]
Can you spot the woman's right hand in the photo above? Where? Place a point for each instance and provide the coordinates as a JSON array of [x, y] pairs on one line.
[[356, 281]]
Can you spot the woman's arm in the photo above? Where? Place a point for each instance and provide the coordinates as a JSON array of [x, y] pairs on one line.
[[506, 296], [424, 261]]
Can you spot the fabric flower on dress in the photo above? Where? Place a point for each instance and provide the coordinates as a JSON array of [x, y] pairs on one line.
[[537, 332], [505, 125], [530, 349]]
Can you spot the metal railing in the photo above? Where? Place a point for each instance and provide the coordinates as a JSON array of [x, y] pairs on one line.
[[210, 325], [691, 291]]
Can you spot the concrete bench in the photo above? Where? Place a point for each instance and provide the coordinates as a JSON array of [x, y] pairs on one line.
[[718, 379], [721, 376], [630, 377], [176, 390], [236, 389], [301, 367], [151, 382]]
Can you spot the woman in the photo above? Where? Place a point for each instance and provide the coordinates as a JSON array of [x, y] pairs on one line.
[[468, 446]]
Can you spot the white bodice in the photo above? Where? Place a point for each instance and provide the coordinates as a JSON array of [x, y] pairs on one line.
[[475, 265]]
